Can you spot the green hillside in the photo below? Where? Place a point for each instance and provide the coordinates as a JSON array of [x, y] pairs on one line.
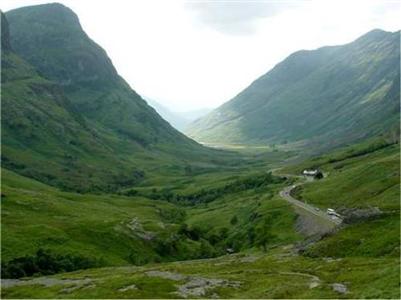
[[361, 179], [70, 120], [324, 98], [50, 38], [121, 230], [362, 256]]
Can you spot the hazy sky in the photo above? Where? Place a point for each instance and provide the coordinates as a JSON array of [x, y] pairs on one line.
[[193, 54]]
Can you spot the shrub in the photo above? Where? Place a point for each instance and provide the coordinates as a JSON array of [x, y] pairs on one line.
[[44, 262]]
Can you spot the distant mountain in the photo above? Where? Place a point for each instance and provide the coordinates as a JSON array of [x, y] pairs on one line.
[[193, 115], [69, 119], [173, 118], [325, 97], [178, 120]]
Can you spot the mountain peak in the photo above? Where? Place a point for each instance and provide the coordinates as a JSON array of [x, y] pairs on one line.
[[68, 55], [49, 13], [374, 34]]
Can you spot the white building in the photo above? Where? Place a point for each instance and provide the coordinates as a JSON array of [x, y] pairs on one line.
[[310, 172]]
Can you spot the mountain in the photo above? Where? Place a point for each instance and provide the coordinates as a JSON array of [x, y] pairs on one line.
[[50, 37], [193, 115], [178, 120], [39, 122], [175, 119], [324, 97], [69, 119]]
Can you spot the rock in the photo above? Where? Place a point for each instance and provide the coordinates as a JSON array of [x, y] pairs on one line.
[[194, 286], [339, 288], [135, 229], [166, 275], [198, 286], [352, 215], [72, 284], [127, 288]]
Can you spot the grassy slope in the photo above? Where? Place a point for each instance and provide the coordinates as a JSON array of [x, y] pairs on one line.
[[363, 256], [279, 274], [96, 225], [350, 86], [358, 177], [35, 215]]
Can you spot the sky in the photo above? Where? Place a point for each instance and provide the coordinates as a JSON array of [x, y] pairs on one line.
[[188, 55]]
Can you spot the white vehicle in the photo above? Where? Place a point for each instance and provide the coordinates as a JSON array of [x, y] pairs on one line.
[[331, 212]]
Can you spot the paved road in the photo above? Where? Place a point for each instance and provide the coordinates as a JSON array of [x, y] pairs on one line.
[[286, 195]]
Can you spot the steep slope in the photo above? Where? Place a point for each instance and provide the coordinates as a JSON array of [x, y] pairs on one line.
[[50, 37], [329, 96], [39, 122], [69, 119]]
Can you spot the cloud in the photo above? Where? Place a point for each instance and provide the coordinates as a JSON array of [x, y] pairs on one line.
[[235, 18]]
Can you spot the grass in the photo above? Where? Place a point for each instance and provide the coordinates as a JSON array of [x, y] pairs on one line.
[[67, 222], [98, 226], [364, 256], [374, 238], [278, 274], [371, 179]]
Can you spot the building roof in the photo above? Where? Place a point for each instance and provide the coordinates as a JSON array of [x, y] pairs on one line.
[[310, 172]]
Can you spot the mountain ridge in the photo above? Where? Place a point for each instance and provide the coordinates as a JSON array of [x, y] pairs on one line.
[[307, 73]]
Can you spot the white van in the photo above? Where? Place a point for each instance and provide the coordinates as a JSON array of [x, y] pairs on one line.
[[331, 211]]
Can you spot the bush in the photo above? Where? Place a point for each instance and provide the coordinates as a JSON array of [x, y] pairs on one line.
[[138, 259], [204, 196], [44, 262]]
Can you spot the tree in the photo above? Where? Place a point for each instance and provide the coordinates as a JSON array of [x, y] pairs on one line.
[[264, 235]]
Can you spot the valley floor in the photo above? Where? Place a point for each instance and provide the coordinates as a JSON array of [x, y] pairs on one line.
[[138, 245]]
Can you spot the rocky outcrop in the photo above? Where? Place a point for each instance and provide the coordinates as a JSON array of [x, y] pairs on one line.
[[353, 215]]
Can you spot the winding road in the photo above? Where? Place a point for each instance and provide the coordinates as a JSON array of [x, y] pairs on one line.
[[286, 195]]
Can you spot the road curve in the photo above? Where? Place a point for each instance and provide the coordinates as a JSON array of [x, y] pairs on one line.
[[286, 195]]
